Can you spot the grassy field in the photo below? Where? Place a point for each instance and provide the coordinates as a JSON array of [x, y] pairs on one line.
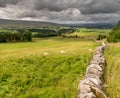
[[112, 76], [89, 33], [27, 72], [52, 67], [40, 46]]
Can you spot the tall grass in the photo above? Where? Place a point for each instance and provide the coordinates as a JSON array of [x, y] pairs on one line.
[[112, 76], [42, 77], [25, 72]]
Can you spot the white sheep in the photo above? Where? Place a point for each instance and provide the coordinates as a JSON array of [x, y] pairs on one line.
[[62, 51], [90, 49], [45, 54]]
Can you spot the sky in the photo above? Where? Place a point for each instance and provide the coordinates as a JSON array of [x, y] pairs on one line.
[[61, 11]]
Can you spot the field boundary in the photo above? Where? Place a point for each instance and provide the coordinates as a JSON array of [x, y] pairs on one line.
[[91, 85]]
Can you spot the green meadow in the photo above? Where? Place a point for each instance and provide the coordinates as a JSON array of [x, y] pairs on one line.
[[27, 72], [84, 33], [52, 67]]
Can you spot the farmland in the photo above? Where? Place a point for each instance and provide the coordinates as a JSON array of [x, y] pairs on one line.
[[27, 72], [51, 67]]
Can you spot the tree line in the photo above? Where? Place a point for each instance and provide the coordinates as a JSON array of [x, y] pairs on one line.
[[19, 36], [46, 32]]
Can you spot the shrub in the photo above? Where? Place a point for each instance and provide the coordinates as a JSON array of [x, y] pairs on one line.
[[114, 36], [100, 37]]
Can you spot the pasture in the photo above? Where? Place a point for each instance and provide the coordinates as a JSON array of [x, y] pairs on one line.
[[44, 68], [52, 67], [84, 33]]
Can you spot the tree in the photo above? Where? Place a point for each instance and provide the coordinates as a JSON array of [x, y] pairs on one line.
[[3, 38], [27, 35], [114, 36]]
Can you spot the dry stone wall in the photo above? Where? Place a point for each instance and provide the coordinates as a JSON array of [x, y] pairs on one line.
[[91, 85]]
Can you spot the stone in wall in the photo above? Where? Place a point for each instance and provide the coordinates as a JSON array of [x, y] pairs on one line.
[[91, 85]]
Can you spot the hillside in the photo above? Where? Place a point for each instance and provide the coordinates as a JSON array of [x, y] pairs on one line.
[[12, 24], [100, 25]]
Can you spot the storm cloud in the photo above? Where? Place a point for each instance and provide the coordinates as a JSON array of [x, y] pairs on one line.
[[61, 10], [3, 3]]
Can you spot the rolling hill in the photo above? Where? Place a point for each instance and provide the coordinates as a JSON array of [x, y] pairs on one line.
[[12, 24]]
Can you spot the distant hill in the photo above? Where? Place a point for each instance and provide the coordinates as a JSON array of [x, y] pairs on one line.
[[13, 24], [94, 25]]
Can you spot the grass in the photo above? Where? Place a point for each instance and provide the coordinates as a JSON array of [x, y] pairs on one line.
[[93, 30], [27, 73], [42, 77], [89, 33], [50, 45], [112, 76]]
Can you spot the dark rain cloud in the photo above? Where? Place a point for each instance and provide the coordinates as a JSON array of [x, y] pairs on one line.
[[101, 6], [61, 10], [3, 3]]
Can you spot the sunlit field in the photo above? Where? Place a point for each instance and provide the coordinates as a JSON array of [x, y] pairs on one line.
[[44, 68], [52, 46], [84, 33]]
